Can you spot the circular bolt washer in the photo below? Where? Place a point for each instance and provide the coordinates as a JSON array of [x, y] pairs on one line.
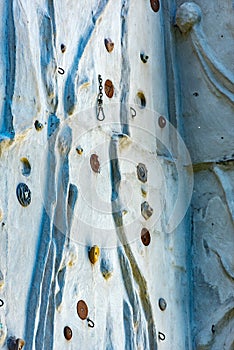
[[109, 44], [162, 122], [82, 309], [23, 194], [94, 162], [109, 88], [162, 304], [67, 333], [142, 172], [145, 236], [155, 4]]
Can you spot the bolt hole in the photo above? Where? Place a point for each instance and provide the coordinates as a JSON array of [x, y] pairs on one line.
[[221, 36], [26, 167], [221, 137], [141, 100], [195, 94]]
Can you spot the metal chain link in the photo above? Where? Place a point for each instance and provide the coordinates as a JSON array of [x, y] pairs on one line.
[[100, 111]]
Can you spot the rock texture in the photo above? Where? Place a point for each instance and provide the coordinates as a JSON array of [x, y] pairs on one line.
[[97, 251]]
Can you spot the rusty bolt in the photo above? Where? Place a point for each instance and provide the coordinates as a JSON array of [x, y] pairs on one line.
[[109, 88], [82, 309], [155, 4], [94, 162], [67, 333], [145, 236]]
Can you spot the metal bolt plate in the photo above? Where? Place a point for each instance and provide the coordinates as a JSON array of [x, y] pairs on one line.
[[146, 210], [82, 309], [109, 88], [162, 122], [67, 333], [142, 172], [145, 236], [23, 194], [162, 304], [155, 4], [109, 44], [94, 163]]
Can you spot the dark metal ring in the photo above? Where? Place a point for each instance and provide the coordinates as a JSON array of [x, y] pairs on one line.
[[90, 323], [161, 336], [1, 302], [61, 70]]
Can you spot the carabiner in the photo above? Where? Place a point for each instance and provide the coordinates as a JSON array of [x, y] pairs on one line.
[[100, 112]]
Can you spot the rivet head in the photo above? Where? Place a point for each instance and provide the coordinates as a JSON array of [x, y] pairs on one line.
[[146, 210], [109, 44], [23, 194], [109, 88], [162, 304], [145, 236], [94, 254], [142, 172], [82, 309], [94, 163], [162, 122], [67, 333], [155, 4]]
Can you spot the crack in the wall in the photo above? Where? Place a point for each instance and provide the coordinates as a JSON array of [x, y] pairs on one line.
[[127, 251]]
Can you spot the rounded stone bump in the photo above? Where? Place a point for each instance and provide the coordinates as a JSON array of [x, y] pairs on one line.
[[187, 15], [94, 254]]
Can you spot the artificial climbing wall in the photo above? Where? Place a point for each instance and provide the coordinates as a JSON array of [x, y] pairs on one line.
[[96, 251], [91, 256]]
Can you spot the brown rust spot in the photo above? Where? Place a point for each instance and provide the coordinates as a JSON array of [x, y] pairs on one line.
[[109, 44], [67, 333], [82, 309], [109, 88], [155, 5], [94, 163], [145, 236]]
